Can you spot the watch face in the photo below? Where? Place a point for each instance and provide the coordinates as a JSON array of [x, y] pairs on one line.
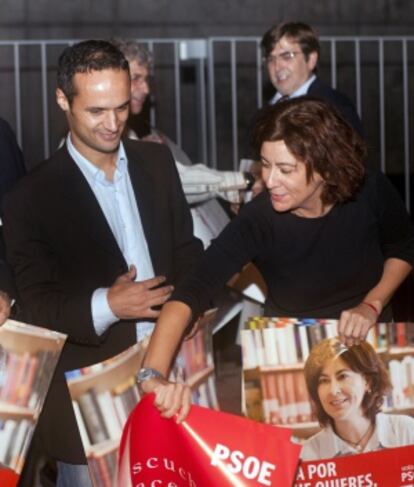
[[146, 374]]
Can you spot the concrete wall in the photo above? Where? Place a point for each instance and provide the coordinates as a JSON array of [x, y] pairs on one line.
[[193, 18]]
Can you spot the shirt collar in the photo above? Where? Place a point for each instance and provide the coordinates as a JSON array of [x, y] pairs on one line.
[[333, 445], [301, 91], [382, 437], [384, 433], [93, 173]]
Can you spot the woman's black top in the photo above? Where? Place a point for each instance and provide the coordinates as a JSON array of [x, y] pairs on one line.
[[313, 267]]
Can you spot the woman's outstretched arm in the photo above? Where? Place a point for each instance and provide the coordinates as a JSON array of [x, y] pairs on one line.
[[170, 398]]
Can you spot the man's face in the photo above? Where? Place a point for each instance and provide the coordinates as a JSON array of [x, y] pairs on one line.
[[287, 67], [139, 86], [99, 111]]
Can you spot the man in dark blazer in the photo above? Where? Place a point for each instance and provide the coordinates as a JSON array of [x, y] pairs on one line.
[[291, 52], [12, 168], [11, 159], [97, 235]]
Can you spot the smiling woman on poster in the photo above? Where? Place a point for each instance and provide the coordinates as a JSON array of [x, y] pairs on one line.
[[331, 239], [347, 387]]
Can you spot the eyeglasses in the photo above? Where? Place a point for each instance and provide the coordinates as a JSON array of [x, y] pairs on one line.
[[284, 56]]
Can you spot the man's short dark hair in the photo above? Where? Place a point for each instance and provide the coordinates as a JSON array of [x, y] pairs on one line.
[[84, 57], [296, 31]]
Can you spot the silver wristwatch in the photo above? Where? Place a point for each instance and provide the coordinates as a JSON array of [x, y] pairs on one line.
[[146, 373]]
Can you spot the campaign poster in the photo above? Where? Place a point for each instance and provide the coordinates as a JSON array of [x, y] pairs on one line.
[[350, 408], [104, 395], [209, 448], [28, 357]]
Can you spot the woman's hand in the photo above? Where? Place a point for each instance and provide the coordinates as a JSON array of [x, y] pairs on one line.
[[170, 397], [354, 323]]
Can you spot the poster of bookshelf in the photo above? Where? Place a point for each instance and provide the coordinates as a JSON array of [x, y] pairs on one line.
[[279, 355], [104, 394], [28, 357]]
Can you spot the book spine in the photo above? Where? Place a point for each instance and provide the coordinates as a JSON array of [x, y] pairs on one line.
[[400, 334], [248, 349], [302, 398], [7, 430], [26, 387], [259, 346], [270, 346], [304, 343], [291, 407], [397, 383], [281, 345], [282, 398], [292, 355], [92, 418], [266, 400], [22, 437], [120, 409], [81, 425]]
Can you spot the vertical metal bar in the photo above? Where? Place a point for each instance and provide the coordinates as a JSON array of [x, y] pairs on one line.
[[45, 108], [234, 104], [259, 76], [177, 92], [358, 76], [18, 101], [333, 63], [203, 110], [212, 104], [406, 126], [381, 103], [153, 121]]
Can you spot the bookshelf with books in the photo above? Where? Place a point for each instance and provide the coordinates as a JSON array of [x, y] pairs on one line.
[[196, 357], [103, 396], [274, 353], [28, 357]]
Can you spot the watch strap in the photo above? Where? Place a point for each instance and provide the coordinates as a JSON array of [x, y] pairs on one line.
[[147, 373]]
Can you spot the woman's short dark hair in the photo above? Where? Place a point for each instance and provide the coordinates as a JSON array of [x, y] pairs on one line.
[[296, 31], [362, 359], [84, 57], [316, 134]]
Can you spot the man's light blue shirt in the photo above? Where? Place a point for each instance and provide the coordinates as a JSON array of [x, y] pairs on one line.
[[117, 201], [301, 91]]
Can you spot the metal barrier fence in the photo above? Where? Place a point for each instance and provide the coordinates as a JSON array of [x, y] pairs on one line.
[[207, 90]]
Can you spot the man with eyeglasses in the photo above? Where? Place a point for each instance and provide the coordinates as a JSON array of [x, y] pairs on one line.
[[291, 52]]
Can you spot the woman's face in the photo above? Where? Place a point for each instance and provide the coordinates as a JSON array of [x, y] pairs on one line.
[[341, 390], [285, 179]]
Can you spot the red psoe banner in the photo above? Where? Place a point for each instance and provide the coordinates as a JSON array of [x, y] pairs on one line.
[[209, 449], [391, 467], [8, 478]]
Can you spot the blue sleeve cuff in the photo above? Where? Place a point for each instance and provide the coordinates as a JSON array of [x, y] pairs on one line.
[[102, 314]]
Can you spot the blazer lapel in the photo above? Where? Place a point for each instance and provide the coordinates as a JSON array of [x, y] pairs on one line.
[[143, 186], [83, 206]]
